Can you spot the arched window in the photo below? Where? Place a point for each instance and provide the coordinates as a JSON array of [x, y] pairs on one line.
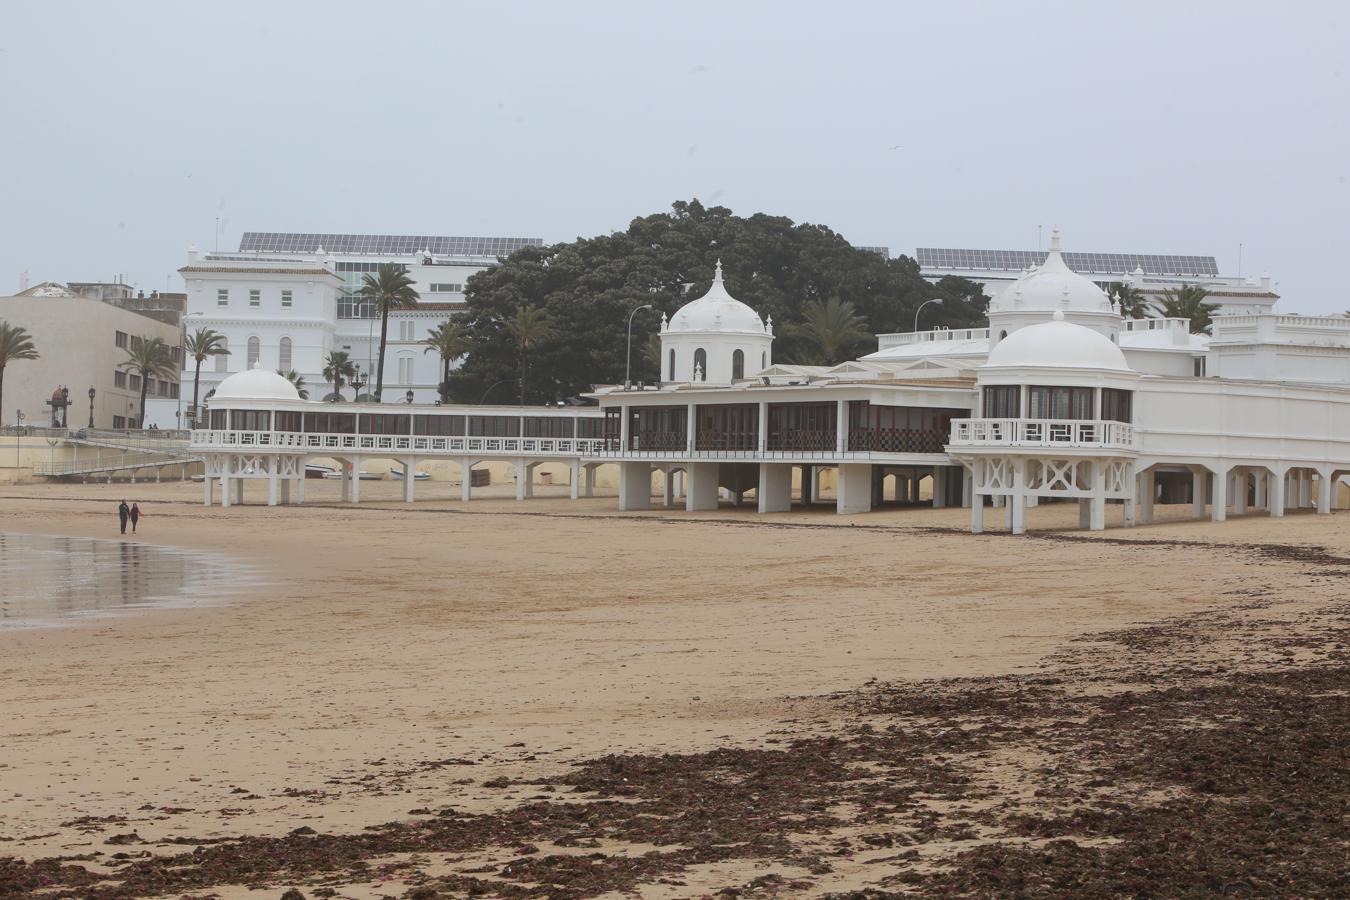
[[284, 355], [700, 365], [763, 360], [672, 366], [223, 360], [254, 351], [737, 365]]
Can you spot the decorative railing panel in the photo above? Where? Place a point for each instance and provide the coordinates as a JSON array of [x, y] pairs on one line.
[[207, 440], [897, 440], [1041, 433]]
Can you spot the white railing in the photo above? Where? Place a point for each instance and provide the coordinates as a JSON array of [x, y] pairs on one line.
[[904, 338], [1158, 324], [1042, 433], [205, 440]]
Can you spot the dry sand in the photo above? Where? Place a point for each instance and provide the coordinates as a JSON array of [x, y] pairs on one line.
[[518, 639]]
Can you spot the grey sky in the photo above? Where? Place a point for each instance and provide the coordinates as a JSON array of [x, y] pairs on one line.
[[1137, 127]]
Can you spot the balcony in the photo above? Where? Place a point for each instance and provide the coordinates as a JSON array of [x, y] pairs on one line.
[[206, 440], [1092, 434]]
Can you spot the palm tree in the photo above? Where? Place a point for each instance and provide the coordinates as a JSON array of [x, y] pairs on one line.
[[298, 380], [391, 287], [149, 356], [1133, 303], [831, 327], [1188, 302], [204, 342], [337, 368], [15, 343], [450, 340], [530, 327]]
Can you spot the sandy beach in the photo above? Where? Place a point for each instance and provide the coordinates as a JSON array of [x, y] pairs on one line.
[[448, 673]]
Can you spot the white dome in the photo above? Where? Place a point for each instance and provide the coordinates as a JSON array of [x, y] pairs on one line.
[[716, 311], [1057, 344], [256, 384], [1052, 285]]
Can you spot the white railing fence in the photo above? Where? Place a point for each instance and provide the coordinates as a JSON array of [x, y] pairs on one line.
[[207, 440], [1042, 433]]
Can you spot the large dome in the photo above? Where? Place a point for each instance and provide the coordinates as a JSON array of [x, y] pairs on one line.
[[1052, 285], [256, 384], [1057, 344], [716, 311]]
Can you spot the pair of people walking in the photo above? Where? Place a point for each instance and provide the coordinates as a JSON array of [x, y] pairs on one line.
[[130, 513]]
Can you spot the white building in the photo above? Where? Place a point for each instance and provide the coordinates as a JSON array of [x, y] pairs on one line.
[[288, 300], [1150, 273]]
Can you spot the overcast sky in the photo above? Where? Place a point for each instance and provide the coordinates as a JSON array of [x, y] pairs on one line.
[[1137, 127]]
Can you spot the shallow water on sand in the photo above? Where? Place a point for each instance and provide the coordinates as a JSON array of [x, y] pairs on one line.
[[49, 579]]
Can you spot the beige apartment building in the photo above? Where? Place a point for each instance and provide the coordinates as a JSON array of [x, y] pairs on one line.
[[81, 341]]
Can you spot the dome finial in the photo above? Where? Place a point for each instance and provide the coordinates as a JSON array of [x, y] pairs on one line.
[[257, 364], [1054, 239], [1058, 316], [717, 272]]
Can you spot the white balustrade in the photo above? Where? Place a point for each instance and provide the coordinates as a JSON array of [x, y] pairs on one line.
[[205, 440], [1042, 433]]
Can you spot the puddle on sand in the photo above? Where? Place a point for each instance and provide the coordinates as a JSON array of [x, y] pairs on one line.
[[50, 580]]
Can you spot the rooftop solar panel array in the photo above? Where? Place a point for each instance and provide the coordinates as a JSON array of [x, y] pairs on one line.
[[1084, 263], [381, 244]]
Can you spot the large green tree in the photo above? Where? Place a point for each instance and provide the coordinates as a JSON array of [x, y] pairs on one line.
[[149, 357], [1188, 302], [339, 369], [200, 344], [450, 341], [391, 287], [588, 287], [15, 344]]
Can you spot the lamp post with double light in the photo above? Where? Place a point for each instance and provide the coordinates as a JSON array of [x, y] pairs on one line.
[[628, 359]]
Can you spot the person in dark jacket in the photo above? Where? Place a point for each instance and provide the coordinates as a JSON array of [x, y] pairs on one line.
[[123, 513], [135, 516]]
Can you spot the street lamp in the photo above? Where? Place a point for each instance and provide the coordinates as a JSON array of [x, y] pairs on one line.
[[357, 383], [409, 396], [628, 360], [493, 385], [937, 300], [91, 407]]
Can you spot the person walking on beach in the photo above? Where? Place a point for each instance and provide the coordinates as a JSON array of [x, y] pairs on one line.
[[123, 513], [135, 516]]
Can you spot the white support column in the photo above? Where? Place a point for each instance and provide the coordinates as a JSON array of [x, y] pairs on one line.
[[345, 479], [356, 480], [466, 482], [522, 479], [300, 489], [690, 428], [285, 492], [272, 480], [939, 487], [625, 428], [409, 478], [1148, 489], [635, 486], [1098, 501], [1324, 485], [967, 487], [1219, 509], [702, 487], [1305, 489], [775, 487], [1085, 514], [225, 496], [1199, 477], [763, 425], [976, 514], [841, 428], [239, 491], [1239, 482], [1275, 492], [813, 488], [589, 488], [206, 483], [667, 488], [854, 489], [574, 479], [1262, 481], [1018, 505]]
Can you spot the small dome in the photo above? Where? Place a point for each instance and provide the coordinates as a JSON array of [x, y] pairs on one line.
[[1052, 285], [1057, 344], [256, 384], [716, 311]]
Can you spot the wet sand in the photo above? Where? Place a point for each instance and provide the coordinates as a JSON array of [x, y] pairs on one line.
[[406, 659]]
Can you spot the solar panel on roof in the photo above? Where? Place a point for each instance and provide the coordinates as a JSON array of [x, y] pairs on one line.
[[382, 244], [1088, 263]]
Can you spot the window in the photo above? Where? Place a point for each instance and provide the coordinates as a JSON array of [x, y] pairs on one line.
[[737, 365], [385, 424], [219, 420], [120, 339], [1059, 403], [135, 343], [222, 296], [250, 420], [658, 428], [731, 426], [1116, 405], [284, 355], [449, 288], [441, 426], [672, 366], [119, 379], [1199, 367], [134, 382], [285, 299], [255, 298], [405, 370], [254, 351], [288, 421], [119, 421], [549, 426], [407, 331], [494, 426], [763, 360], [223, 361], [700, 372], [1003, 401]]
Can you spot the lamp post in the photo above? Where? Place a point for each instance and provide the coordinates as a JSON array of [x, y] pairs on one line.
[[182, 343], [937, 300], [409, 396], [493, 385], [91, 407], [18, 430], [357, 383], [628, 360]]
